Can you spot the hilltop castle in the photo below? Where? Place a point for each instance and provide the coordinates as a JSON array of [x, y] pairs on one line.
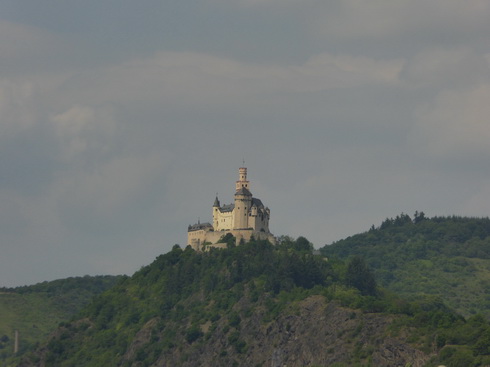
[[247, 217]]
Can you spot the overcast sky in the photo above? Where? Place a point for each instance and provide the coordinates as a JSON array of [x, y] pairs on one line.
[[120, 120]]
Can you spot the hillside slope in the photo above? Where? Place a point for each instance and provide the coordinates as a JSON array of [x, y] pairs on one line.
[[36, 310], [447, 257], [259, 305]]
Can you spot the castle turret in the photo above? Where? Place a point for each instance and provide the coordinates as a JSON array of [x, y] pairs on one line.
[[216, 207], [242, 179]]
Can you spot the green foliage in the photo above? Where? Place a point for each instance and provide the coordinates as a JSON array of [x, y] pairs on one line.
[[359, 276], [234, 320], [37, 310], [229, 239], [184, 287], [193, 333], [237, 343], [453, 356], [301, 244], [441, 256], [434, 261], [184, 297]]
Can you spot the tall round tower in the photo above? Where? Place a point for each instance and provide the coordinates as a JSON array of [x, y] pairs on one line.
[[242, 179], [243, 201]]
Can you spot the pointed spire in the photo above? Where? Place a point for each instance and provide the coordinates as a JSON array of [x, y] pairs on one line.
[[216, 202]]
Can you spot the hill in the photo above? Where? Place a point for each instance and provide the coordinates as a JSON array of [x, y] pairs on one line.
[[447, 257], [261, 305], [36, 310]]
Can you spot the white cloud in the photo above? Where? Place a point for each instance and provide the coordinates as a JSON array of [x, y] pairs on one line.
[[82, 127], [73, 121], [348, 71]]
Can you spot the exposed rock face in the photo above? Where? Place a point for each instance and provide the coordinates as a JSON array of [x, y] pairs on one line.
[[313, 332], [141, 338], [395, 350], [317, 333]]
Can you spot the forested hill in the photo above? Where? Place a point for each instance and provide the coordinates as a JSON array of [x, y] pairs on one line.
[[261, 305], [442, 256], [36, 310]]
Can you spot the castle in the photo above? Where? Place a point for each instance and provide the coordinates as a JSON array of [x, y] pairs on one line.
[[247, 217]]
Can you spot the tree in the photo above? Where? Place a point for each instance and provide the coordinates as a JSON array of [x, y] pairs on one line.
[[418, 217], [360, 276], [229, 239], [302, 244]]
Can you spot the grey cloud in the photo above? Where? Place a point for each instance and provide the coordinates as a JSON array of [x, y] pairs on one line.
[[456, 124], [446, 68]]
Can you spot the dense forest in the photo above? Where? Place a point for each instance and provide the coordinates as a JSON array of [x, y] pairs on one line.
[[448, 257], [253, 304]]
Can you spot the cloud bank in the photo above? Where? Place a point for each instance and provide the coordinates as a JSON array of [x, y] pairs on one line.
[[118, 126]]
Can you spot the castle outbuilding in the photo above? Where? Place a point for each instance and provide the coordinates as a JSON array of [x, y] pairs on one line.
[[247, 217]]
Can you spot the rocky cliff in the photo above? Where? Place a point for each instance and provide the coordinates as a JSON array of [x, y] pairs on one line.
[[312, 333]]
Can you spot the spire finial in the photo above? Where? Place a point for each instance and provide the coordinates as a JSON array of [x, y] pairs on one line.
[[243, 162]]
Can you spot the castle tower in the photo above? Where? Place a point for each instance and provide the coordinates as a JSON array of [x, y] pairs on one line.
[[243, 200], [242, 179]]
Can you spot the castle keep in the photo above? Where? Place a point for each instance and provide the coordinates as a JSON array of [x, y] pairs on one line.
[[247, 217]]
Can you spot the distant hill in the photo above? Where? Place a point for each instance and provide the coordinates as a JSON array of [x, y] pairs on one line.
[[36, 310], [448, 257], [261, 305]]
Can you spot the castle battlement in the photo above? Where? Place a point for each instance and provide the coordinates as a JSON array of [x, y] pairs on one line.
[[245, 218]]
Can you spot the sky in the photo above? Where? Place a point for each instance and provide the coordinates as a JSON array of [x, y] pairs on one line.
[[120, 120]]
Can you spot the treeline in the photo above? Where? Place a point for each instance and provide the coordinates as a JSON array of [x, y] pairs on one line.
[[401, 239], [93, 284], [182, 273], [441, 256]]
